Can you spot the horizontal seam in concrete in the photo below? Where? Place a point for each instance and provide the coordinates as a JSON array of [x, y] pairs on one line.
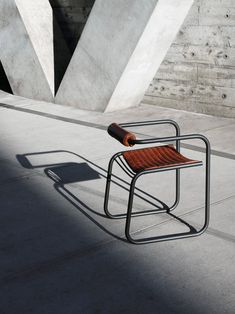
[[55, 117], [35, 171], [219, 127], [17, 178], [104, 128], [52, 264], [200, 149], [139, 231], [178, 99]]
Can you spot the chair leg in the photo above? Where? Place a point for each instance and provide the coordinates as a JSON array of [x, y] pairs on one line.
[[207, 192], [169, 236], [129, 209], [177, 191], [107, 189], [140, 213]]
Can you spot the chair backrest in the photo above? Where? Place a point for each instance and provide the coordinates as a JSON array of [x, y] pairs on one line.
[[120, 134]]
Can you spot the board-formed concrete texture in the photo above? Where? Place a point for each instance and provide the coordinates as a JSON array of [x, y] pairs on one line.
[[26, 47], [120, 50], [198, 72]]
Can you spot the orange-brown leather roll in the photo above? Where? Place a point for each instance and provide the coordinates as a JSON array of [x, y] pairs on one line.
[[121, 135]]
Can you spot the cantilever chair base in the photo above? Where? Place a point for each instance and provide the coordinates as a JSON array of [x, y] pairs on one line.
[[139, 162]]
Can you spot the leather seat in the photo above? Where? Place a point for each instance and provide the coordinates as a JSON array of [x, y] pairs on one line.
[[156, 157]]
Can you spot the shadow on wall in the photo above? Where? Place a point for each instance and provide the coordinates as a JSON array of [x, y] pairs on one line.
[[69, 19], [4, 83], [72, 17]]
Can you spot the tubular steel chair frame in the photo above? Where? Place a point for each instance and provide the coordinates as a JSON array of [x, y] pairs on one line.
[[177, 139]]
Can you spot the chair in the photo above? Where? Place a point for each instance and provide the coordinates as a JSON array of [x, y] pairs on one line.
[[155, 159]]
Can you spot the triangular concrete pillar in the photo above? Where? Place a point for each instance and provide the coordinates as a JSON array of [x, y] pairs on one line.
[[26, 47], [120, 50]]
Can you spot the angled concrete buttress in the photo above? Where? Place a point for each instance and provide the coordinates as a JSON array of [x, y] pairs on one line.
[[26, 47], [120, 50]]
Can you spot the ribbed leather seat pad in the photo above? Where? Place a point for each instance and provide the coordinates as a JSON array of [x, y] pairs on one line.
[[156, 157]]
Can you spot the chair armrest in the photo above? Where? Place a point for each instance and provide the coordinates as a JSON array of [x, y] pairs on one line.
[[153, 122], [174, 138], [124, 137]]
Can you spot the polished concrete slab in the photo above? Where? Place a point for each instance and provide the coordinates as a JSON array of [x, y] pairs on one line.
[[60, 254]]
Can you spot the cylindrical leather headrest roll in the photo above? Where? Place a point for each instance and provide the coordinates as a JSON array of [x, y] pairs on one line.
[[123, 136]]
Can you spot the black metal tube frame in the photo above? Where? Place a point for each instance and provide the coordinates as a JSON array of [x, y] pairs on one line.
[[131, 174], [129, 214]]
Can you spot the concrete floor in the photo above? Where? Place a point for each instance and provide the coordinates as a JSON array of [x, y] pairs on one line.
[[59, 254]]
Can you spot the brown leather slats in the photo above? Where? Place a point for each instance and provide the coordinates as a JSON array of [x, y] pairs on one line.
[[156, 157]]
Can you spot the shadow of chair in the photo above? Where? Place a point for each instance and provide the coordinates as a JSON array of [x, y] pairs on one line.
[[65, 173]]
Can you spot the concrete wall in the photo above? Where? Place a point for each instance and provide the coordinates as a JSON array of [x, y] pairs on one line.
[[198, 73], [116, 56], [121, 48]]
